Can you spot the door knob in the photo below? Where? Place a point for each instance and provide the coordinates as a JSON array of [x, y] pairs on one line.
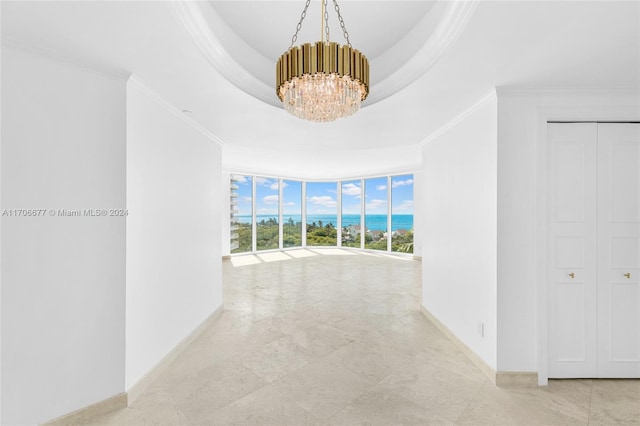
[[572, 275], [628, 275]]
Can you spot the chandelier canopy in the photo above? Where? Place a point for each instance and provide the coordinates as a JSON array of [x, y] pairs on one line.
[[322, 81]]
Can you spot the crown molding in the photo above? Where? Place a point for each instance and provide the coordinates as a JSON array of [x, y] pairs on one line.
[[507, 91], [210, 33], [460, 117], [192, 17], [173, 110], [450, 24]]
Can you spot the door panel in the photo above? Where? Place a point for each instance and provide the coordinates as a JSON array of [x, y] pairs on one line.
[[571, 312], [624, 310], [573, 250], [618, 250]]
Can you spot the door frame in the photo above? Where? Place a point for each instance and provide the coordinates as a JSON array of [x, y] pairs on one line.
[[543, 116]]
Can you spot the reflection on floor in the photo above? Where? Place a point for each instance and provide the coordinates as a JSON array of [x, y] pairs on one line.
[[334, 337]]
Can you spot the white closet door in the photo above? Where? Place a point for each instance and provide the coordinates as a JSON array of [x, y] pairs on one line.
[[619, 250], [572, 250]]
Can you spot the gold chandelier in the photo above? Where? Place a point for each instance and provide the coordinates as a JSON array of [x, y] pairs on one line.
[[322, 81]]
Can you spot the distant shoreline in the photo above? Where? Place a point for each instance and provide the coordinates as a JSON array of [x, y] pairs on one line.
[[374, 222]]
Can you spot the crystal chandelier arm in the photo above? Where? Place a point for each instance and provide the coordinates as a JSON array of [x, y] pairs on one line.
[[302, 16]]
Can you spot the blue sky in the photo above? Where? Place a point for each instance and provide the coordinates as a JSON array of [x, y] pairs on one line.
[[322, 196], [351, 196], [375, 190], [402, 194], [292, 197], [266, 196]]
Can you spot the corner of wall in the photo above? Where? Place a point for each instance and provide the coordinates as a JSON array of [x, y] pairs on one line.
[[458, 227], [174, 189]]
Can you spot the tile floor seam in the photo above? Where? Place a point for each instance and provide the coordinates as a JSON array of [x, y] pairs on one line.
[[343, 341], [590, 402], [475, 395], [264, 384]]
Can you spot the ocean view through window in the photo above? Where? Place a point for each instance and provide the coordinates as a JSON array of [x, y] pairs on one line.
[[401, 207], [379, 208], [351, 213], [375, 218], [267, 202], [292, 213], [322, 214]]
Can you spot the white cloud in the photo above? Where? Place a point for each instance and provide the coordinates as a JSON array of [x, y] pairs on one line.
[[381, 187], [323, 200], [377, 204], [274, 185], [351, 189], [289, 204], [240, 178], [270, 199], [398, 183], [246, 199], [405, 206], [262, 181]]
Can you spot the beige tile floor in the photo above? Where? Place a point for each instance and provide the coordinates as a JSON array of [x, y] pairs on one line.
[[330, 337]]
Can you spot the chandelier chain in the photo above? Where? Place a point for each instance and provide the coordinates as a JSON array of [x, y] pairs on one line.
[[302, 16], [344, 29], [326, 20]]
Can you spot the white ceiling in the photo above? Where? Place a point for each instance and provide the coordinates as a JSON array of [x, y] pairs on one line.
[[268, 26], [573, 44]]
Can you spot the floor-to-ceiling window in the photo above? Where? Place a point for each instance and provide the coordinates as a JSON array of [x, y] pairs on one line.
[[351, 213], [322, 214], [241, 213], [291, 213], [402, 213], [375, 219], [271, 213], [267, 202]]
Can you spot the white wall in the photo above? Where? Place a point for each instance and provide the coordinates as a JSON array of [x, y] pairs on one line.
[[63, 278], [458, 228], [522, 115], [174, 275], [1, 206], [351, 163]]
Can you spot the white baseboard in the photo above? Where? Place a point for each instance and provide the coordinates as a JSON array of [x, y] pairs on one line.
[[125, 399], [488, 371], [141, 385], [499, 378], [91, 411]]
